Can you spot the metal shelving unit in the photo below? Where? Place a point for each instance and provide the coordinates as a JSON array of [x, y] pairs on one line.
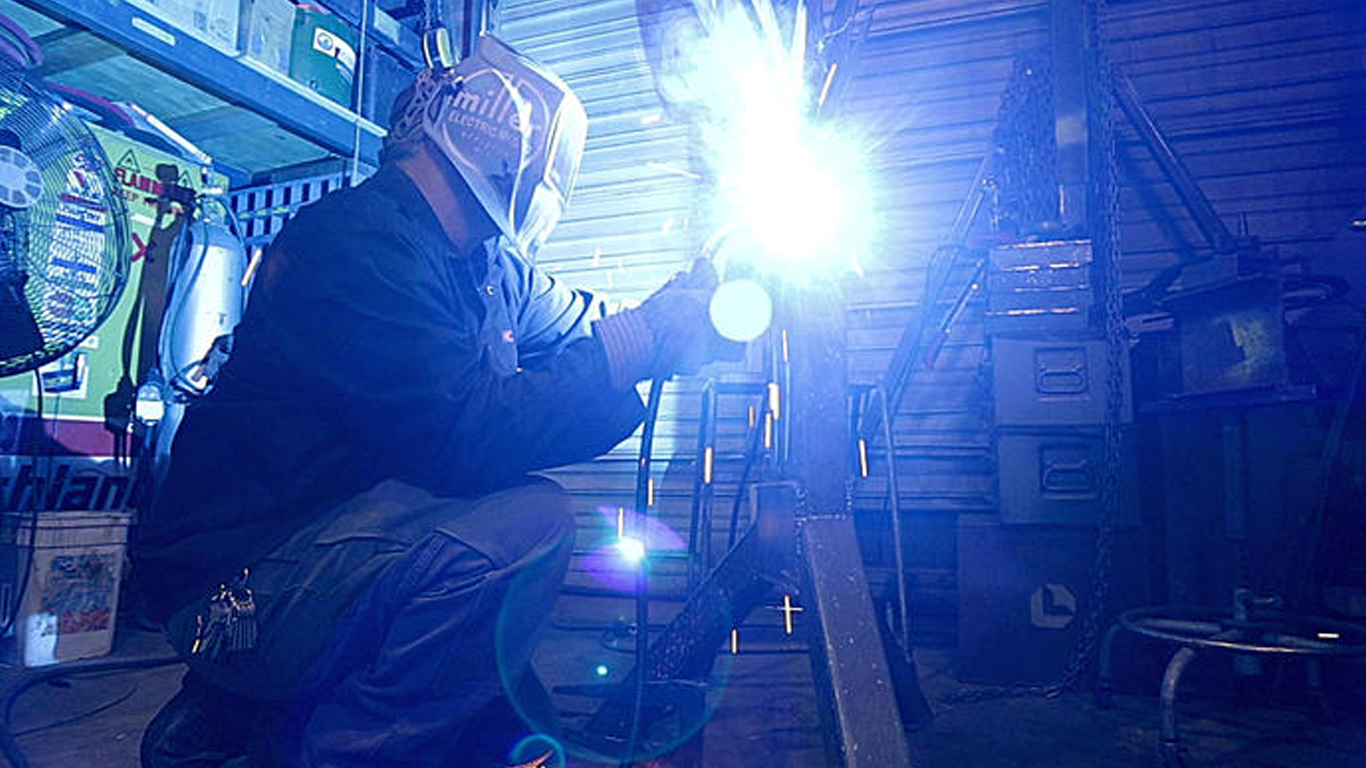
[[231, 85]]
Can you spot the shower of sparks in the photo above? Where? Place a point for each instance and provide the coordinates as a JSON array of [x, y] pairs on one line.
[[794, 190]]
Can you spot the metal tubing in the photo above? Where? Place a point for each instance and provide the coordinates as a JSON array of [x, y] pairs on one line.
[[705, 518], [894, 494], [699, 487], [1169, 744], [751, 456], [1105, 671]]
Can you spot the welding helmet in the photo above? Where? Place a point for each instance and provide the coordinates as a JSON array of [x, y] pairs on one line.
[[511, 129]]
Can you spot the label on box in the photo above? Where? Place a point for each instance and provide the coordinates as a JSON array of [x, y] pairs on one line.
[[329, 44]]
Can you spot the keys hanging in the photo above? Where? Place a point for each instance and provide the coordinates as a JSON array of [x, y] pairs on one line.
[[228, 625]]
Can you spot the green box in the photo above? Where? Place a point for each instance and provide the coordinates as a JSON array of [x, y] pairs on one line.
[[324, 54]]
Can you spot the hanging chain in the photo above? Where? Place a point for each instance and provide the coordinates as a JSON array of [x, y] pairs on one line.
[[1105, 245]]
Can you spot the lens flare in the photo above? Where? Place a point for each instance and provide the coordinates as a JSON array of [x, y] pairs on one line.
[[741, 310]]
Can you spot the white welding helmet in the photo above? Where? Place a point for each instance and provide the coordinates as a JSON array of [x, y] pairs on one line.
[[512, 129]]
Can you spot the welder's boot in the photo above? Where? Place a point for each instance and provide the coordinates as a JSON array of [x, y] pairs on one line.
[[202, 726]]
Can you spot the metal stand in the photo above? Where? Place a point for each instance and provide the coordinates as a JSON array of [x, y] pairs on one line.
[[1258, 630], [800, 540]]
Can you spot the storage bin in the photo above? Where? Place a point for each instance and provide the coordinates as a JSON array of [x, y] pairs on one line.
[[324, 53], [69, 605]]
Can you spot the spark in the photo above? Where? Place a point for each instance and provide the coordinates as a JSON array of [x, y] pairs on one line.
[[794, 189], [663, 168]]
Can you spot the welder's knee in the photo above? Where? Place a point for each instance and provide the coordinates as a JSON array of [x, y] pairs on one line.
[[548, 507], [512, 528]]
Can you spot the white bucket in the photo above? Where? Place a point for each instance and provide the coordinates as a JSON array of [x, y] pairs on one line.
[[70, 602]]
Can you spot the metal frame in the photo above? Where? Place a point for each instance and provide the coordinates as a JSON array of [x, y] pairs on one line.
[[1245, 631], [255, 88]]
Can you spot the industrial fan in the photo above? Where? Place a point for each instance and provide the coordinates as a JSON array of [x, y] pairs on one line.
[[63, 228]]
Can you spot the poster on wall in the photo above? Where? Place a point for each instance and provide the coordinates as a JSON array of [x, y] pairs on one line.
[[72, 460]]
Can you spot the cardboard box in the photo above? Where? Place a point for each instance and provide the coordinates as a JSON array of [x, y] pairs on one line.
[[267, 32], [214, 22]]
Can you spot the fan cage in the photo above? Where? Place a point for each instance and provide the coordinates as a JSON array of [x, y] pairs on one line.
[[69, 251]]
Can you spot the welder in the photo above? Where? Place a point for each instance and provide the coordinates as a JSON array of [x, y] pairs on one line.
[[349, 550]]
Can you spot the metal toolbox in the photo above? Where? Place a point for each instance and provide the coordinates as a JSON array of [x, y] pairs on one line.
[[1053, 382], [1040, 288], [1054, 477], [1023, 594]]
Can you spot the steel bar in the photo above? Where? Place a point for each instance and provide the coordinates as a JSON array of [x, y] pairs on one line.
[[894, 497], [1215, 232]]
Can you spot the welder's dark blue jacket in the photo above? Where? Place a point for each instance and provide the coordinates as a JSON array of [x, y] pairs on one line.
[[372, 350]]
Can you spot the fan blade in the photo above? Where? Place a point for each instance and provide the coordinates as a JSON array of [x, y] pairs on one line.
[[38, 125]]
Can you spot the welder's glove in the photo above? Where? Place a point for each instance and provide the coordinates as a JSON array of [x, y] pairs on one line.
[[669, 333]]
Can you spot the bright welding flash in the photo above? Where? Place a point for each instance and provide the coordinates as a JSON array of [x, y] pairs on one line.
[[794, 189]]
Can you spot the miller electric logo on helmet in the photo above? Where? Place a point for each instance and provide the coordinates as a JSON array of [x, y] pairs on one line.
[[511, 128], [497, 109]]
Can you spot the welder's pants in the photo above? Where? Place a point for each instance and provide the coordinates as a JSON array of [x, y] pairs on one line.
[[386, 630]]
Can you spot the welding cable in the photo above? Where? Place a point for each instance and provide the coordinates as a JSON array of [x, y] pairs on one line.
[[8, 745], [17, 600], [79, 716], [647, 438], [751, 457]]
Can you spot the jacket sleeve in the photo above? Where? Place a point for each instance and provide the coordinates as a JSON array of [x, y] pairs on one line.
[[549, 315], [394, 344]]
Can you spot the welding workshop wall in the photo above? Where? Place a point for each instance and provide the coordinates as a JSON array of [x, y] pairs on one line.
[[1262, 99], [629, 227], [1266, 103]]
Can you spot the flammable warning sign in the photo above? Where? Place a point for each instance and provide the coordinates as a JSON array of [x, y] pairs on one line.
[[97, 377]]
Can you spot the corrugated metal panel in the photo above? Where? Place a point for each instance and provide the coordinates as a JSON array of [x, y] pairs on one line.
[[1265, 101], [628, 228]]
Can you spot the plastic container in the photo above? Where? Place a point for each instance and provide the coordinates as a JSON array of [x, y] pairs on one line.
[[70, 603], [324, 53]]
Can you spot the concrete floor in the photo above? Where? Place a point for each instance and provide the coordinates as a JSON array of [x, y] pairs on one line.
[[765, 714]]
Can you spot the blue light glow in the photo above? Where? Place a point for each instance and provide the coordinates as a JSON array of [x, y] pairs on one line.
[[601, 670], [741, 310], [631, 549], [794, 189]]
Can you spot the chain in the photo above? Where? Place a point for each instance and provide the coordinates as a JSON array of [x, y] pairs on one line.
[[1025, 172], [1105, 245]]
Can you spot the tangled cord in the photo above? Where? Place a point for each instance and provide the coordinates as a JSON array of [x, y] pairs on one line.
[[8, 744]]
